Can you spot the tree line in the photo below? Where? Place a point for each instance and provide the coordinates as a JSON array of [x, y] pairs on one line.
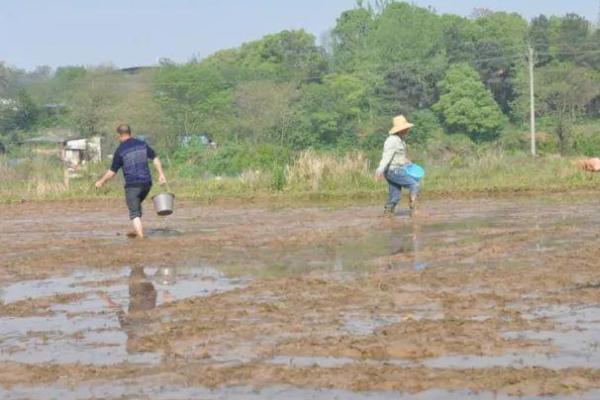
[[460, 79]]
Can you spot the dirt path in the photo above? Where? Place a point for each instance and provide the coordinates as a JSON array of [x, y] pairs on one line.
[[472, 298]]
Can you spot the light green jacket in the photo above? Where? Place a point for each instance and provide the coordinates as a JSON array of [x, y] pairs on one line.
[[394, 154]]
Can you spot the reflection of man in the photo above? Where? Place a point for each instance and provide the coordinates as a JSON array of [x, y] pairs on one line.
[[408, 243], [142, 298]]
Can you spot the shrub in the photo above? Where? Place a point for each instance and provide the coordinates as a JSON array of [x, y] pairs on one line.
[[230, 160]]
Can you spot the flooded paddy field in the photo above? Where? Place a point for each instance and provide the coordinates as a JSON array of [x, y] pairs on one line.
[[473, 299]]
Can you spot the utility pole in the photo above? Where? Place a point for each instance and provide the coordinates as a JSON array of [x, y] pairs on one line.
[[531, 101]]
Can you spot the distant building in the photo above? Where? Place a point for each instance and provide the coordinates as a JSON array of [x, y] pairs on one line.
[[200, 138], [9, 103], [136, 70], [75, 152]]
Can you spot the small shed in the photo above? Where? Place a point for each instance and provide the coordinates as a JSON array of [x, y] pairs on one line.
[[77, 152], [74, 152]]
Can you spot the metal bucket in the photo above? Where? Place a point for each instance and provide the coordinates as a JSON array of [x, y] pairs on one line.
[[165, 275], [163, 203]]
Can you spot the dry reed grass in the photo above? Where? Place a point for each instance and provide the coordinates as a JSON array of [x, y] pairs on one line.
[[317, 171]]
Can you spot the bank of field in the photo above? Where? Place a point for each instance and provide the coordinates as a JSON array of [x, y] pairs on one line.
[[305, 175]]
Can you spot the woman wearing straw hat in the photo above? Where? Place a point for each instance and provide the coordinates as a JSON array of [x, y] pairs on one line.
[[393, 167]]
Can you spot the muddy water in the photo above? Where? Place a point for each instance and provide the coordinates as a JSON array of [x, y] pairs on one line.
[[473, 299], [248, 393], [98, 326]]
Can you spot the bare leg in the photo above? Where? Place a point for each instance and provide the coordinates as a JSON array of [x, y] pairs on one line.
[[413, 204], [137, 226]]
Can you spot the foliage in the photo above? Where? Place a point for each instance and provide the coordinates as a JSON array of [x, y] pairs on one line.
[[193, 96], [465, 104], [564, 91], [197, 160], [331, 112], [462, 80], [264, 110], [317, 175], [350, 47]]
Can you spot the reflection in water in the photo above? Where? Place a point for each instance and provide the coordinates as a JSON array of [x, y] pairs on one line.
[[84, 323], [400, 247], [142, 298], [165, 275], [406, 243]]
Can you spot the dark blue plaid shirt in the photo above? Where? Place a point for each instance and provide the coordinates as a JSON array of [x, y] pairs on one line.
[[133, 155]]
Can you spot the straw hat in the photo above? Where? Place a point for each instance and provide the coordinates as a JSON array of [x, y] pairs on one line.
[[400, 124]]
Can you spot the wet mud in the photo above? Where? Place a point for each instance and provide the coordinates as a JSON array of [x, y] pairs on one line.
[[473, 299]]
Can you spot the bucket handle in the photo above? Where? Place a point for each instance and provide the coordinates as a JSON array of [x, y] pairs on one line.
[[167, 186]]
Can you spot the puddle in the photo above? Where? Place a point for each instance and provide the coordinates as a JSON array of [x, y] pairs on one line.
[[163, 232], [308, 361], [102, 327], [359, 324], [576, 338], [405, 244], [333, 362], [119, 390]]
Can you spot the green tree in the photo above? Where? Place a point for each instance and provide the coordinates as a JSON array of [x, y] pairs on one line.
[[295, 52], [589, 53], [465, 104], [572, 37], [330, 113], [563, 93], [459, 38], [404, 89], [28, 112], [264, 110], [350, 39], [9, 81], [406, 33], [195, 98], [287, 55], [500, 48], [18, 113], [92, 100], [510, 30], [539, 39], [494, 43]]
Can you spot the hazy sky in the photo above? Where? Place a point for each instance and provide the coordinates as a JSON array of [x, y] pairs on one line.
[[138, 32]]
